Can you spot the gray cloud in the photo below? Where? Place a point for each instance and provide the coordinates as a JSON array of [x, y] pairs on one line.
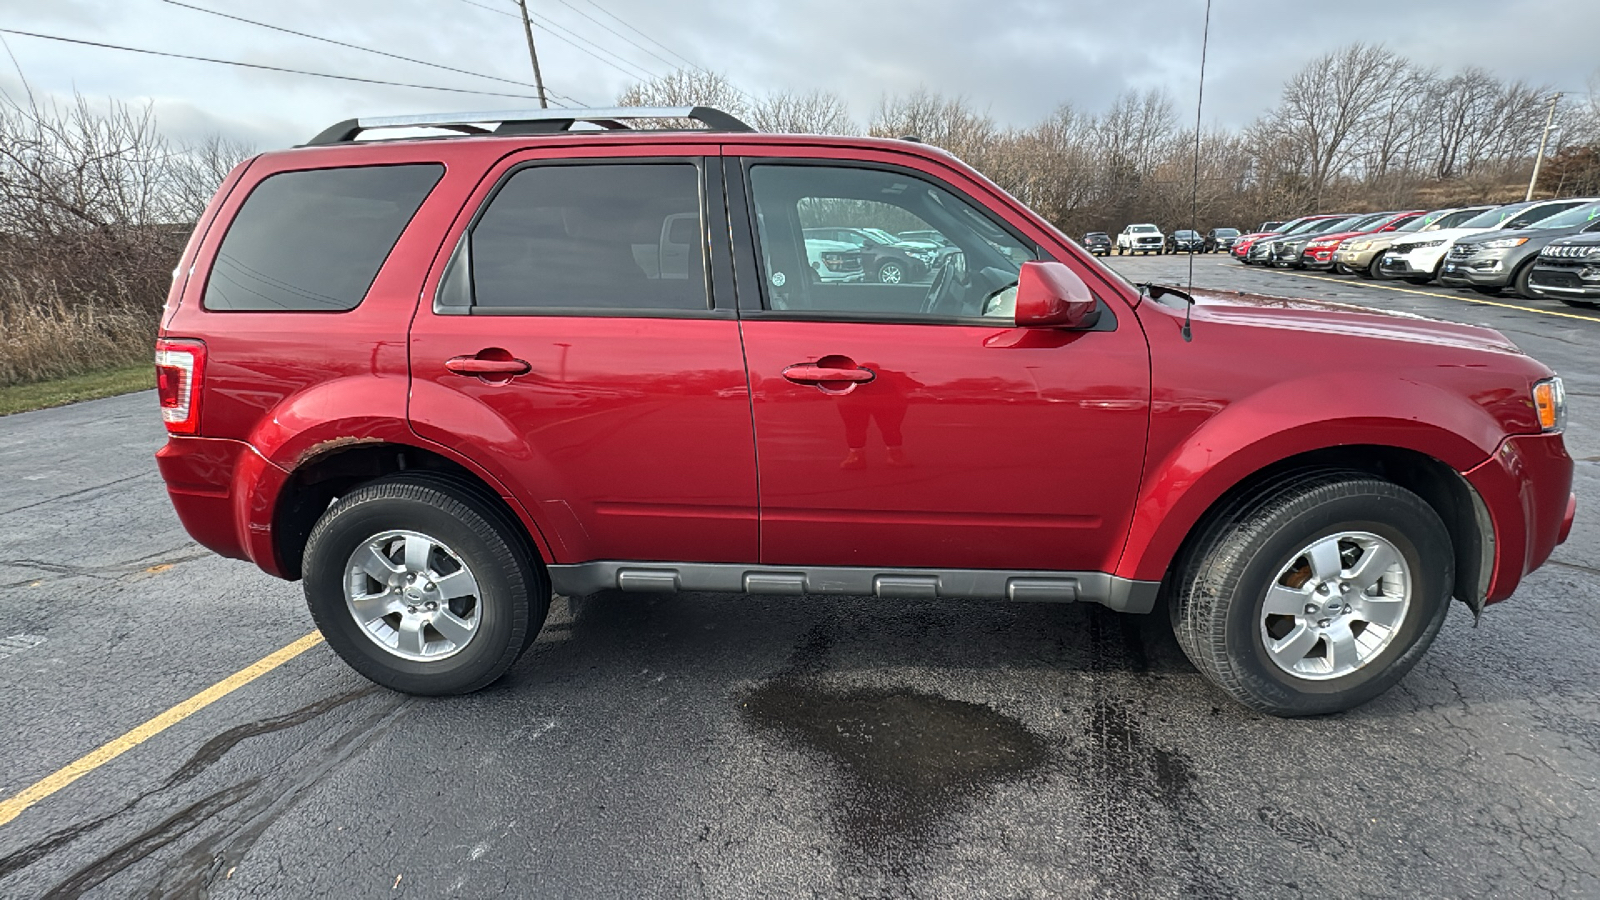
[[1018, 59]]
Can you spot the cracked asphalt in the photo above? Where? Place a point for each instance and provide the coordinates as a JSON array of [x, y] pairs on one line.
[[725, 746]]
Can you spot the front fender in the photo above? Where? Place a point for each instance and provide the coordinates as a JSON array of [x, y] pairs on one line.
[[1282, 421]]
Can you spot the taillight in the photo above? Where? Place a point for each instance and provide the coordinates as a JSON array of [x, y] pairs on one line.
[[180, 371]]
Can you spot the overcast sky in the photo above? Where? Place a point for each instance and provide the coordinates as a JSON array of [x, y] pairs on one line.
[[1017, 59]]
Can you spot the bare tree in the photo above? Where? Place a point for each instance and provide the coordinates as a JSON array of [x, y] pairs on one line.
[[687, 87], [814, 112]]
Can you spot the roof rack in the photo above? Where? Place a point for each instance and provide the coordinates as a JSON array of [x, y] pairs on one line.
[[530, 121]]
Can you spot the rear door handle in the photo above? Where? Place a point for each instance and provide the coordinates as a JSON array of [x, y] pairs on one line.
[[482, 365], [811, 373]]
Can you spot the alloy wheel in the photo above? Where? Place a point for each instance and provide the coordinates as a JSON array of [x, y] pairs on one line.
[[412, 595], [1335, 605]]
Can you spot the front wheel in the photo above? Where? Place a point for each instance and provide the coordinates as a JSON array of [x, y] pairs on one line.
[[1316, 595], [891, 273], [423, 586]]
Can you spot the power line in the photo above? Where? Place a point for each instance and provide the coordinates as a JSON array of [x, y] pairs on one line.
[[555, 29], [646, 36], [314, 37], [246, 65], [618, 33]]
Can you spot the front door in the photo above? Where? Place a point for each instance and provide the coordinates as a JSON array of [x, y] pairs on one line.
[[572, 349], [912, 425]]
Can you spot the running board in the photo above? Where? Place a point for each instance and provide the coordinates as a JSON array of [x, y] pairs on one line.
[[1121, 594]]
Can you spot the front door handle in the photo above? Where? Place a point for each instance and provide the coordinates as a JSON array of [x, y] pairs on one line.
[[490, 363], [817, 373]]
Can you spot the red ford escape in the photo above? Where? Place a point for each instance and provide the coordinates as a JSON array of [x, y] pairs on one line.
[[438, 378]]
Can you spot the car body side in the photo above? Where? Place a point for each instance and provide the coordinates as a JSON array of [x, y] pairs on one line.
[[294, 396]]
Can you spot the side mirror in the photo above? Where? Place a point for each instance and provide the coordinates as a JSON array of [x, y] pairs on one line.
[[1050, 295]]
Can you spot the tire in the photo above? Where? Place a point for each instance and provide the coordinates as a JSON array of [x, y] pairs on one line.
[[1372, 271], [1519, 282], [1220, 606], [478, 631], [890, 273]]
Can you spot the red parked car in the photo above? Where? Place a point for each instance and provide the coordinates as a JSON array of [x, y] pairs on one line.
[[1318, 253], [438, 379]]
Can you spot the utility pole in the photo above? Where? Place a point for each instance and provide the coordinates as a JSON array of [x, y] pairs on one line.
[[527, 28], [1543, 136]]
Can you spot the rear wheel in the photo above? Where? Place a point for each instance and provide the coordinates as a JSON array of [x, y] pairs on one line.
[[423, 586], [1315, 595]]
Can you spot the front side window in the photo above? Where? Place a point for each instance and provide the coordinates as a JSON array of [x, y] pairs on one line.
[[314, 240], [570, 238], [956, 261]]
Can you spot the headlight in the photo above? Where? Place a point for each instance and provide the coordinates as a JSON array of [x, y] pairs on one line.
[[1419, 246], [1359, 245], [1503, 243], [1550, 401]]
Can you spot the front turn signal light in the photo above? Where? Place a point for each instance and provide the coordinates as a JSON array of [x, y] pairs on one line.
[[1550, 401]]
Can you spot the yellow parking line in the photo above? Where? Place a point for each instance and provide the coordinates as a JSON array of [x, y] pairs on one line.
[[1389, 287], [94, 759]]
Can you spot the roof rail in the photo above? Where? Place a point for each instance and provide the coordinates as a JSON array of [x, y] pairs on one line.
[[529, 121]]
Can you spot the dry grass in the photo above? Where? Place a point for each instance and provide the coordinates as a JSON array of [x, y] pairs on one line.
[[51, 340]]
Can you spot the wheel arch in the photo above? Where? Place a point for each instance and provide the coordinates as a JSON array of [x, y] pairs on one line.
[[320, 478], [1463, 511]]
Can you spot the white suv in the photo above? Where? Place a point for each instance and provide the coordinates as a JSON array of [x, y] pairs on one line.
[[1141, 239]]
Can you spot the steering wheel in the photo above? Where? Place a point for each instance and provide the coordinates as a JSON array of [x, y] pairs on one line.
[[942, 291]]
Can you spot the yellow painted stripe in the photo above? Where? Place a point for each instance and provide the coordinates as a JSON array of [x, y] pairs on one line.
[[94, 759], [1390, 287]]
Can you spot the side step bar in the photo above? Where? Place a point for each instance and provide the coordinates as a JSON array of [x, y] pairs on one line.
[[1121, 594]]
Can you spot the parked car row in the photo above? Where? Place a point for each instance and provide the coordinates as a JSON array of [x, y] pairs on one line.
[[1147, 238], [1537, 248], [843, 253]]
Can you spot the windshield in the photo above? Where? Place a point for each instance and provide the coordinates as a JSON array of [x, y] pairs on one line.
[[1330, 225], [1227, 232], [1143, 229], [1185, 233], [1427, 219], [1456, 219], [1362, 223], [1303, 225], [1493, 217], [881, 236], [1576, 217], [1576, 213]]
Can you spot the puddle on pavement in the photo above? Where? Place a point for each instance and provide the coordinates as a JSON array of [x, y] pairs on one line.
[[907, 757]]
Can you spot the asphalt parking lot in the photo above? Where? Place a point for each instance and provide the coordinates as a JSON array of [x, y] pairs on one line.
[[721, 746]]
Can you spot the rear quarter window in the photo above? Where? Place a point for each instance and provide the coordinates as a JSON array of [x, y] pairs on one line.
[[313, 240]]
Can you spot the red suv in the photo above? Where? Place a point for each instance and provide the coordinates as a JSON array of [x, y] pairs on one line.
[[438, 378]]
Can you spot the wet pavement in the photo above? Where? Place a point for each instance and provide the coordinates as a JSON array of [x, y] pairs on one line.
[[726, 746]]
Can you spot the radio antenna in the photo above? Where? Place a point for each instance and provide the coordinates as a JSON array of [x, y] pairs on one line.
[[1199, 102]]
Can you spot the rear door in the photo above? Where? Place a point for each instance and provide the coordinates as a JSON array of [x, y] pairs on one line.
[[949, 439], [573, 347]]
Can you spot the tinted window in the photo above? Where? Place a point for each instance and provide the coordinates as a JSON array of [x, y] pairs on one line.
[[592, 237], [1538, 214], [968, 268], [1573, 218], [314, 240]]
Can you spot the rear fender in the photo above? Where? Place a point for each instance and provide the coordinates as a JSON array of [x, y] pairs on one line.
[[325, 419]]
